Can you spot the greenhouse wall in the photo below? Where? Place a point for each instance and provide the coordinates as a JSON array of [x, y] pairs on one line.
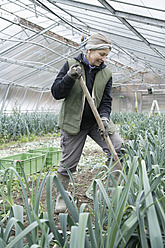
[[18, 98], [124, 100]]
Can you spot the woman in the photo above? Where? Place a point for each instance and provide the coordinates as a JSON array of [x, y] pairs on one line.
[[76, 119]]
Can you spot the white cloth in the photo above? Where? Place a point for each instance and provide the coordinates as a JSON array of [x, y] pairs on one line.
[[98, 41], [99, 46]]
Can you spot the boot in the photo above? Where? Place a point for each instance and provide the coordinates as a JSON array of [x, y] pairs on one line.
[[60, 203]]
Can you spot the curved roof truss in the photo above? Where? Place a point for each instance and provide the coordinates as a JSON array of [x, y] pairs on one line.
[[37, 37]]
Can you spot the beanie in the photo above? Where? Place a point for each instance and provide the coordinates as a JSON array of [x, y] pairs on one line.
[[98, 41]]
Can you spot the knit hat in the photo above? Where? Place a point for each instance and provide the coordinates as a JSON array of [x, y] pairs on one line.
[[98, 41]]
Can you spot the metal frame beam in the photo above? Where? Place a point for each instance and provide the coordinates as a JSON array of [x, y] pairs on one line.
[[39, 3], [128, 25], [137, 5], [52, 2], [108, 17], [5, 96], [134, 17], [52, 62], [30, 64], [22, 23], [119, 29]]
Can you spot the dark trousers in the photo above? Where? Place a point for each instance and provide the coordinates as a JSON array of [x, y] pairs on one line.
[[72, 147]]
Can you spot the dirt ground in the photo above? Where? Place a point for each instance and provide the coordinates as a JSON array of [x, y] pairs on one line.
[[91, 160], [82, 182]]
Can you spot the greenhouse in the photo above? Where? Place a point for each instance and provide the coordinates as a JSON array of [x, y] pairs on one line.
[[82, 123]]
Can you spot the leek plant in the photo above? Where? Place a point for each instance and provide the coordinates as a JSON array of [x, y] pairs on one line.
[[31, 211], [17, 125], [125, 214], [149, 147], [124, 220], [133, 124]]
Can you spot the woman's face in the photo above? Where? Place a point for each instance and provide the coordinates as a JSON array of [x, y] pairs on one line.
[[96, 57]]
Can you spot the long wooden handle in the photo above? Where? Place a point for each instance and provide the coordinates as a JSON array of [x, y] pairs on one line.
[[99, 121]]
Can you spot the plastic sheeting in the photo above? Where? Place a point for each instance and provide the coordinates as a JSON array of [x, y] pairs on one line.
[[20, 99]]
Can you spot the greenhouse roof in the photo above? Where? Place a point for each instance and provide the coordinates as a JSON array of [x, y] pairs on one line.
[[37, 37]]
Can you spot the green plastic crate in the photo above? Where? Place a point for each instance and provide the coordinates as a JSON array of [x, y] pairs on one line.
[[53, 154], [31, 163]]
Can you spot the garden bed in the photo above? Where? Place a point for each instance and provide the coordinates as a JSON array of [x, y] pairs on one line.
[[91, 160], [117, 215]]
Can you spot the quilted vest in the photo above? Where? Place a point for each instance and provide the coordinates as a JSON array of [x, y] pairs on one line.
[[73, 105]]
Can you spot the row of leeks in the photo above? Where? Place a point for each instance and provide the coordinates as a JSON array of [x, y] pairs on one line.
[[18, 126], [133, 216]]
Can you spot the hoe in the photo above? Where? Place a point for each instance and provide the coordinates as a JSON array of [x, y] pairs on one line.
[[99, 121]]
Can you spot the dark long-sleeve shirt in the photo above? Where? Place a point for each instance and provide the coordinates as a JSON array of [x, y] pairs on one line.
[[63, 84]]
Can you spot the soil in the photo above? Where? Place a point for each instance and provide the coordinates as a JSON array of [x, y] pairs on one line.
[[91, 160]]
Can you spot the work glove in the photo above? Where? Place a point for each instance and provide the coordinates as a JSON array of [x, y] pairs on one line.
[[105, 122], [75, 71]]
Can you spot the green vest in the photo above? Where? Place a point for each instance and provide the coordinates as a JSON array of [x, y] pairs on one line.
[[73, 105]]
